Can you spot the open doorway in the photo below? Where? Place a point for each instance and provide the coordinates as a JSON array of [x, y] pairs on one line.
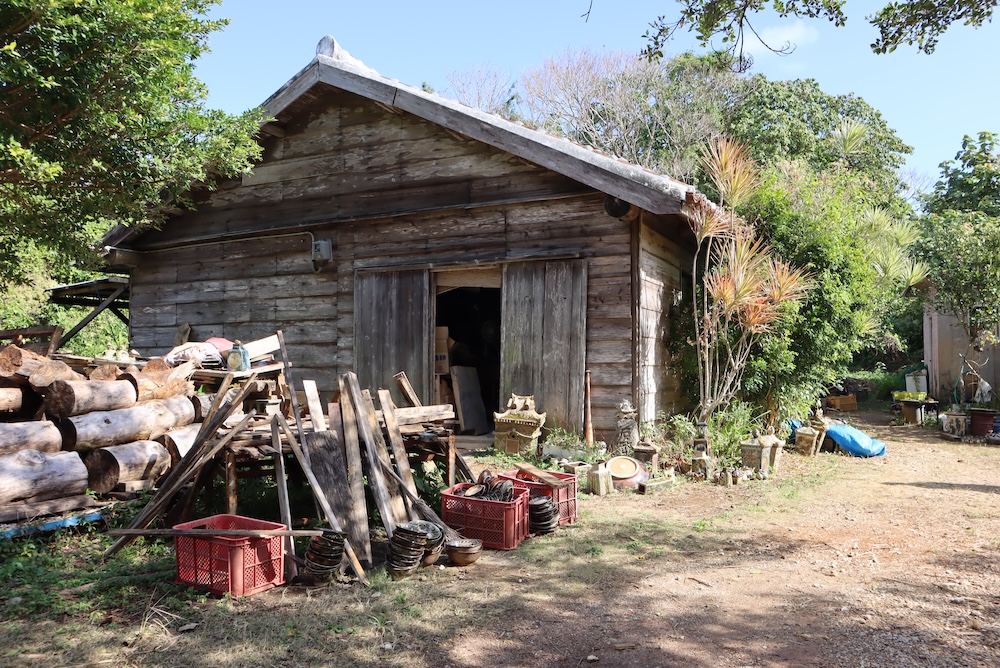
[[468, 304]]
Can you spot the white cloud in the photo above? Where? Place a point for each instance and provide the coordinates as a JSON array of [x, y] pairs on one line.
[[793, 35]]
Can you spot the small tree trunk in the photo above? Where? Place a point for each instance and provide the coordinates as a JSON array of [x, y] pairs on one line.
[[157, 386], [106, 372], [40, 435], [19, 361], [179, 441], [49, 372], [29, 476], [140, 460], [141, 422], [75, 397]]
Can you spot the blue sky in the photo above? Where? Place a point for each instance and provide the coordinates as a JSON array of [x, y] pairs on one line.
[[931, 101]]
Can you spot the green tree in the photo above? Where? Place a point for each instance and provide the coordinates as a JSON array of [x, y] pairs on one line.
[[961, 236], [970, 182], [919, 22], [102, 120], [796, 120]]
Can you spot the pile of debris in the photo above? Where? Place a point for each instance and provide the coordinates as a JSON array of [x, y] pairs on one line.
[[102, 427], [340, 450]]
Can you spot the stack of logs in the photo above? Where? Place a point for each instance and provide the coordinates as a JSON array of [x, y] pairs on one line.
[[63, 433]]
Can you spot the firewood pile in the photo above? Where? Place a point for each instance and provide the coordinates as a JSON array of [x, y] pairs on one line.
[[66, 430]]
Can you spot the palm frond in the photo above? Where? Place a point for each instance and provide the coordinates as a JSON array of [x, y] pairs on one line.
[[849, 138]]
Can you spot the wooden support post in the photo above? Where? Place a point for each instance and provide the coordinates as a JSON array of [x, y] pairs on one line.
[[232, 500], [285, 509], [451, 460]]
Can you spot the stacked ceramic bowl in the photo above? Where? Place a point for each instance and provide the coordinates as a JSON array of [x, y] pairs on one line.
[[543, 514], [406, 551], [435, 539], [464, 551], [491, 489], [324, 554]]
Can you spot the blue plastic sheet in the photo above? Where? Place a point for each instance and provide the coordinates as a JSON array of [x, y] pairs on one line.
[[854, 441]]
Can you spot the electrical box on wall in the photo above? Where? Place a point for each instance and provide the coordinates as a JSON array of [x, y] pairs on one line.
[[322, 250]]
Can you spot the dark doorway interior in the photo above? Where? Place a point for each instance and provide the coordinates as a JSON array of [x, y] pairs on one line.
[[472, 316]]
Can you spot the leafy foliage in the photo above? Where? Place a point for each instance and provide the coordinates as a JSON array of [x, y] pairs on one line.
[[919, 22], [102, 119], [823, 222], [970, 182], [961, 235], [795, 120]]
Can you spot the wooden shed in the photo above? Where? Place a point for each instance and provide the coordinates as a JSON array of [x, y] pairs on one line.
[[380, 212]]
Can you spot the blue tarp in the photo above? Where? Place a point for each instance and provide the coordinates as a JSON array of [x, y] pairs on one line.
[[854, 441]]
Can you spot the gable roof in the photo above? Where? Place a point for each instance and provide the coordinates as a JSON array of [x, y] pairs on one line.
[[335, 67]]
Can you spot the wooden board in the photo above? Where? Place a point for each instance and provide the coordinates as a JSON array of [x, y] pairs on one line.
[[330, 469], [366, 430], [469, 400], [544, 476], [315, 405], [357, 529], [400, 513], [398, 448]]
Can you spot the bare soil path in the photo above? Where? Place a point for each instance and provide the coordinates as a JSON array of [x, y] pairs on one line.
[[835, 562]]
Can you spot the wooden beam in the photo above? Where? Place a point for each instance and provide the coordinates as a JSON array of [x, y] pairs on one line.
[[93, 314], [247, 533], [407, 389], [398, 447], [284, 508], [541, 475], [315, 405], [358, 529], [376, 480]]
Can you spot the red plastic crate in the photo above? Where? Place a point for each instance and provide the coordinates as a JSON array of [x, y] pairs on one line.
[[501, 525], [564, 497], [230, 565]]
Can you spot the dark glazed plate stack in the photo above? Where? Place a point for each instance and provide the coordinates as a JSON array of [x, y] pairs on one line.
[[543, 514], [406, 551], [435, 539], [324, 554]]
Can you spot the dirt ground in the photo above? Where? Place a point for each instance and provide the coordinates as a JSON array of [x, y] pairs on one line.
[[834, 562]]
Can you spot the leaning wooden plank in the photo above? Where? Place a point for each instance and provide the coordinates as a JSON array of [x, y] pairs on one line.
[[407, 389], [400, 513], [538, 473], [29, 511], [30, 475], [41, 435], [314, 404], [141, 460], [66, 398], [287, 366], [376, 480], [358, 527], [425, 511], [331, 517], [327, 463], [248, 533], [262, 347], [284, 507], [396, 442]]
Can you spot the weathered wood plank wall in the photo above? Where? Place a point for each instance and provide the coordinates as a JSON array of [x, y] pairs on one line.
[[660, 272], [390, 192]]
